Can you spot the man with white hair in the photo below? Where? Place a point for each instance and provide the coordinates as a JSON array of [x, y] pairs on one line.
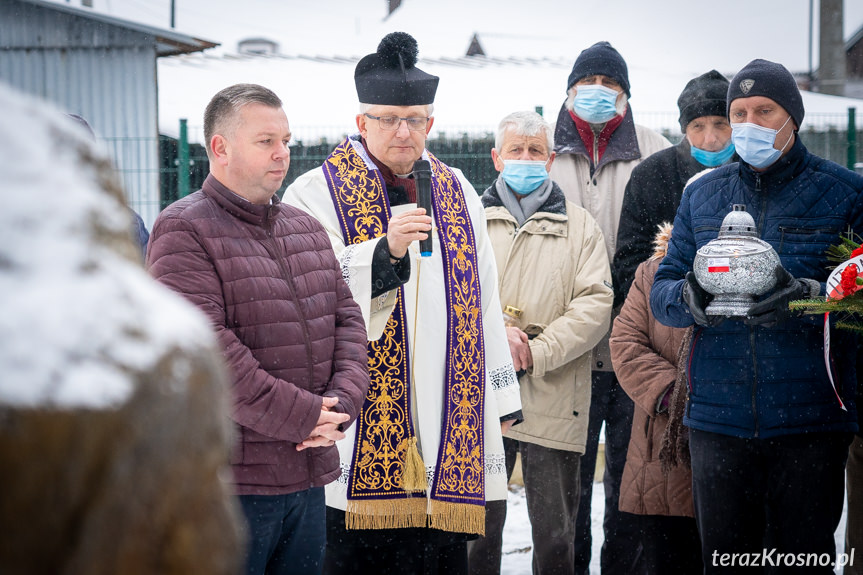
[[597, 145], [554, 289], [427, 451]]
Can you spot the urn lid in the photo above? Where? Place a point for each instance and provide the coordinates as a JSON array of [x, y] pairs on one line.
[[737, 236], [738, 223]]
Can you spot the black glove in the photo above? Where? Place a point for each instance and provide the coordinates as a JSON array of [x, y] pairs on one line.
[[774, 310], [697, 299]]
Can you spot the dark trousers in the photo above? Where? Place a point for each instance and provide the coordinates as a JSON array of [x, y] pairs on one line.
[[551, 489], [286, 532], [783, 493], [620, 550], [411, 551], [671, 545], [854, 525]]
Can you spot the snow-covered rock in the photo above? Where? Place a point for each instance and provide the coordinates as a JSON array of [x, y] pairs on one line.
[[114, 434]]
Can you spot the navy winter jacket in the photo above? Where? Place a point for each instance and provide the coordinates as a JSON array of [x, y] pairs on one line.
[[755, 381]]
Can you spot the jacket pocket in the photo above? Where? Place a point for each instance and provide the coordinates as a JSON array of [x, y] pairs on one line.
[[808, 240]]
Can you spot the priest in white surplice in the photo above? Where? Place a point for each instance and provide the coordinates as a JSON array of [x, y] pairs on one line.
[[426, 451]]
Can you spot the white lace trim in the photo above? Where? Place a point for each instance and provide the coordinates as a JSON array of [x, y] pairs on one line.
[[346, 473], [503, 377], [381, 301], [495, 464], [346, 263]]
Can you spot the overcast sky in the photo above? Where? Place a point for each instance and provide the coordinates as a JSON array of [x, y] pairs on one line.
[[664, 42], [686, 34]]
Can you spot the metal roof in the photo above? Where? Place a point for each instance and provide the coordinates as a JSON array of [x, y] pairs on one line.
[[856, 37], [197, 60], [167, 42]]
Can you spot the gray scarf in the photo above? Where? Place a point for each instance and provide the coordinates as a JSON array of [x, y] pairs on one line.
[[528, 205]]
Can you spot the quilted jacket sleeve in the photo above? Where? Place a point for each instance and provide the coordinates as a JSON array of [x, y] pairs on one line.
[[350, 380], [644, 373], [587, 315], [263, 403], [666, 295]]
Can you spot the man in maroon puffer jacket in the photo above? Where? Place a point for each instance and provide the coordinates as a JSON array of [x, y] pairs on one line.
[[293, 338]]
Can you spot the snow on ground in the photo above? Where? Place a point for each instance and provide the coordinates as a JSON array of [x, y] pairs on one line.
[[517, 543]]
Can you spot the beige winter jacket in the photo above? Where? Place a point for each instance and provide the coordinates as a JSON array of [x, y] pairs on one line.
[[555, 269], [601, 193], [644, 353]]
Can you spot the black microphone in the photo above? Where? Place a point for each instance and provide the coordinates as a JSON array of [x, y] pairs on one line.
[[422, 177]]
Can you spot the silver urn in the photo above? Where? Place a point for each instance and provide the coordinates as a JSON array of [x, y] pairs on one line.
[[735, 267]]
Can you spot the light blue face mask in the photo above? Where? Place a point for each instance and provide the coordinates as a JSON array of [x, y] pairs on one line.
[[754, 143], [712, 159], [595, 104], [524, 176]]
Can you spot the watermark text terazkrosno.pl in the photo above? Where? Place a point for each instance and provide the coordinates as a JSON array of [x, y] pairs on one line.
[[774, 558]]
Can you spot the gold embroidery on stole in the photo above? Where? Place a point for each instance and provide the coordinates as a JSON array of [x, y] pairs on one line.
[[383, 433], [377, 499], [461, 466]]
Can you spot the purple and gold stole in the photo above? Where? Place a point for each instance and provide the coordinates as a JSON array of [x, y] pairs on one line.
[[379, 494]]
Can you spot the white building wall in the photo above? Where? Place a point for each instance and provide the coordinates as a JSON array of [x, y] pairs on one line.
[[103, 73]]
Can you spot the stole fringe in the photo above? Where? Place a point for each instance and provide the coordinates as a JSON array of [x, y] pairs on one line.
[[415, 512], [413, 472], [386, 513], [457, 517]]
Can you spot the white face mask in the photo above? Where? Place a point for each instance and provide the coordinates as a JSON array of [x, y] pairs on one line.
[[595, 104], [754, 143], [524, 176]]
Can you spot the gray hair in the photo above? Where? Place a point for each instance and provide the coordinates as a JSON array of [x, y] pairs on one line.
[[620, 106], [525, 124], [364, 108], [223, 109]]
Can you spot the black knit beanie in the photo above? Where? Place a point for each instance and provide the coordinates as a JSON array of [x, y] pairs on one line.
[[771, 80], [601, 58], [703, 96], [390, 76]]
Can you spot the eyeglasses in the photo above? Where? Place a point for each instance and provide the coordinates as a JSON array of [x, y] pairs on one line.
[[392, 123]]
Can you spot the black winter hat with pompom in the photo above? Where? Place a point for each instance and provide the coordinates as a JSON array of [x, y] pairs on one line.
[[390, 76]]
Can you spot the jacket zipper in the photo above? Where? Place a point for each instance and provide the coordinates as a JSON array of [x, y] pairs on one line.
[[762, 214], [516, 232], [276, 252], [760, 228], [278, 256], [754, 378], [595, 153]]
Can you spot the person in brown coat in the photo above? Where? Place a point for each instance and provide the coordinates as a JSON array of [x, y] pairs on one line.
[[292, 336], [645, 357]]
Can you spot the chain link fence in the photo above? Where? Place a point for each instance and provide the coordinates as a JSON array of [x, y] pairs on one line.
[[467, 148]]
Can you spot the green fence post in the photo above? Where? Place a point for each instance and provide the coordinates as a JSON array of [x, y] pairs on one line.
[[852, 138], [183, 161]]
